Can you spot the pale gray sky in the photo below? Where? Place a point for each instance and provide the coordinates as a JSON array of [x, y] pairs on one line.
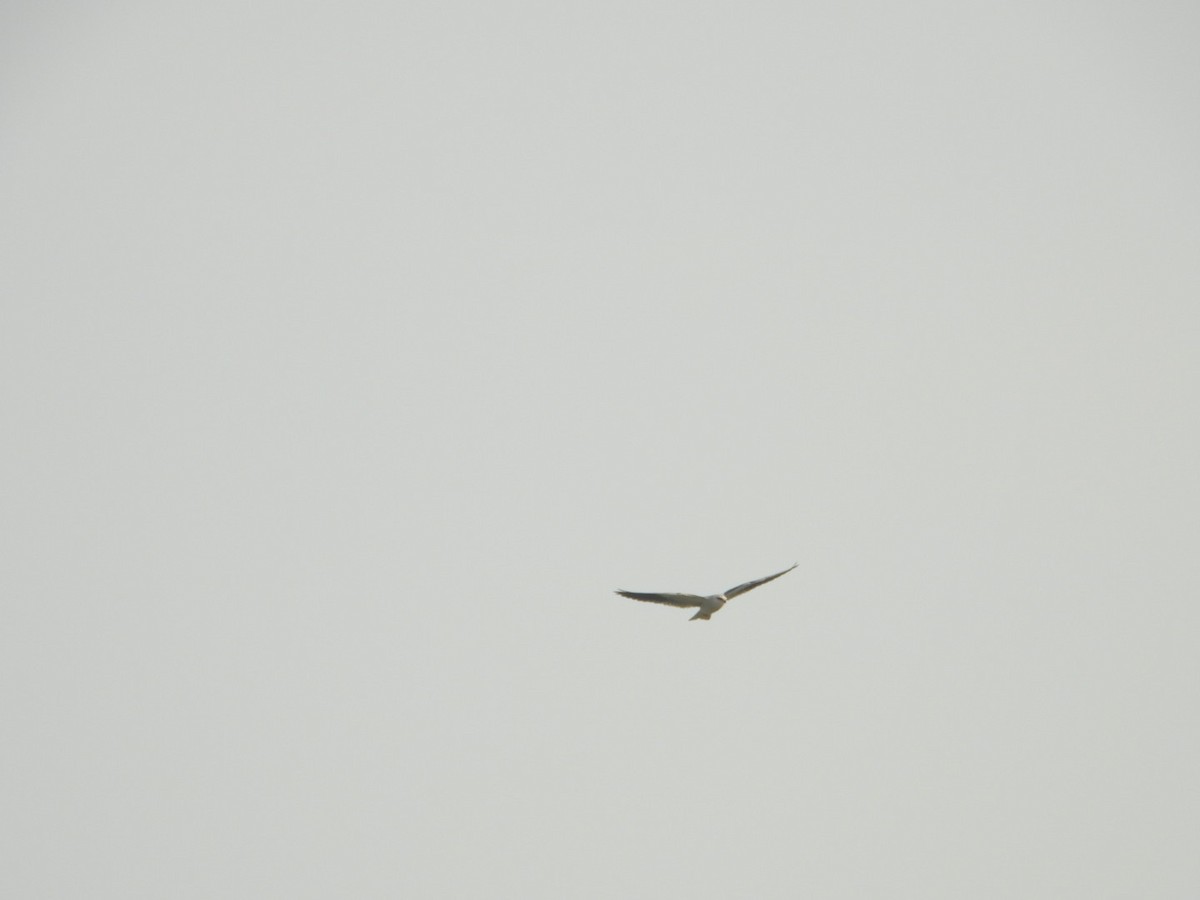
[[354, 353]]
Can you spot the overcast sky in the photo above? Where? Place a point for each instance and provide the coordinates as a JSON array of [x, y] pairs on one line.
[[353, 354]]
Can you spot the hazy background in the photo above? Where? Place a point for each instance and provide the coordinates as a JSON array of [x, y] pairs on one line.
[[352, 354]]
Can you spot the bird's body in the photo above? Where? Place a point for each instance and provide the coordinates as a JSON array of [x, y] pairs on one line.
[[707, 605]]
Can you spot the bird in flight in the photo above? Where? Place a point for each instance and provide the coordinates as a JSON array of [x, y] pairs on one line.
[[707, 605]]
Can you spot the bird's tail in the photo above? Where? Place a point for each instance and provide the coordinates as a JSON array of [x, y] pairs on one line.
[[702, 614]]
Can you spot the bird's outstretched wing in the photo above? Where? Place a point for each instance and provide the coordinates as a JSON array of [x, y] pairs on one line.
[[669, 599], [751, 585]]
